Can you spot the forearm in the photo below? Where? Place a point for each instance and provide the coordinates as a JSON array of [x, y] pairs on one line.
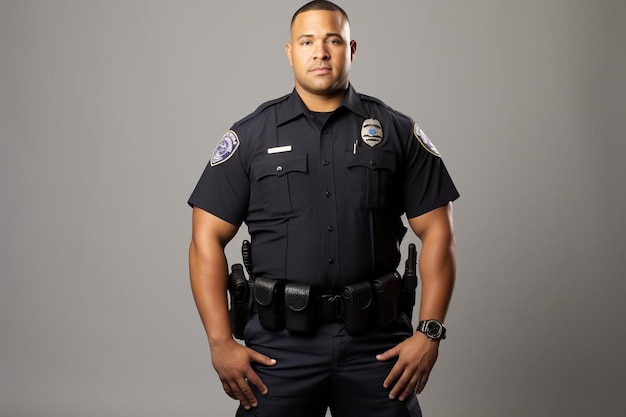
[[209, 282], [208, 270], [437, 262], [437, 266]]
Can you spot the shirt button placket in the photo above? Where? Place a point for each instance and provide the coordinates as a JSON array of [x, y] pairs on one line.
[[330, 209]]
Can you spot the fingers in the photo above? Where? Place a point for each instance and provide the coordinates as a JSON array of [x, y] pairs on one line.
[[403, 388], [393, 375], [241, 391], [257, 382], [239, 387], [408, 385], [422, 383], [416, 358], [405, 380], [407, 391], [253, 378], [390, 354], [262, 359]]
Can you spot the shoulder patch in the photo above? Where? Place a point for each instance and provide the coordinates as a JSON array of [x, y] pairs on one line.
[[225, 148], [424, 141]]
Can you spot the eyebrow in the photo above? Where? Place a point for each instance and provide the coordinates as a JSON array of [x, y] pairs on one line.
[[328, 35]]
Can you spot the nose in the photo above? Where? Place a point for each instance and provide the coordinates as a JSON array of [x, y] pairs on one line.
[[321, 51]]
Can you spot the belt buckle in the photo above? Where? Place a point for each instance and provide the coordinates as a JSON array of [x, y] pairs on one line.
[[338, 302]]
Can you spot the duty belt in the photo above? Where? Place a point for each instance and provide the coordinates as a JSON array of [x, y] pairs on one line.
[[300, 308]]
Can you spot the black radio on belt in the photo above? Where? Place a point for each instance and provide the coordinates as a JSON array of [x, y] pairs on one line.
[[240, 292], [241, 299], [409, 286]]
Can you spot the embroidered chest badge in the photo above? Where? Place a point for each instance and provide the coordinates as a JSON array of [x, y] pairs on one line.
[[372, 132], [225, 148], [423, 139]]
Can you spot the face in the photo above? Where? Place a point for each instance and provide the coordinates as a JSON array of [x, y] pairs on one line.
[[320, 53]]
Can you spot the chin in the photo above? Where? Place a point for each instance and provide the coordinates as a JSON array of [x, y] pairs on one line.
[[327, 89]]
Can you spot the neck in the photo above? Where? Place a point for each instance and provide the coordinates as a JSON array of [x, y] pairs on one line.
[[321, 102]]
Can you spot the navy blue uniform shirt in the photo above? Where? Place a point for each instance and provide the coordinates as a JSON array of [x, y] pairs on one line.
[[323, 200]]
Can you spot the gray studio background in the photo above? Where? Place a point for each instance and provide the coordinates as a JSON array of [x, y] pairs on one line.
[[109, 111]]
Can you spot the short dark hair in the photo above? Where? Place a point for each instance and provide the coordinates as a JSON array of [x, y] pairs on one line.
[[320, 5]]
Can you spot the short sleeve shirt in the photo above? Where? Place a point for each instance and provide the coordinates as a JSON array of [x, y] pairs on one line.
[[323, 201]]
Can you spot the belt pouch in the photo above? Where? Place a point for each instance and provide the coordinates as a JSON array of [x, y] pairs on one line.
[[298, 308], [268, 294], [386, 294], [357, 300]]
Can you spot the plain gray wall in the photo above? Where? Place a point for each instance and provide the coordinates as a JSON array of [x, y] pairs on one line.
[[109, 111]]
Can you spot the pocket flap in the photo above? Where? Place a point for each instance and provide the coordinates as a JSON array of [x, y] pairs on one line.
[[279, 164], [372, 159]]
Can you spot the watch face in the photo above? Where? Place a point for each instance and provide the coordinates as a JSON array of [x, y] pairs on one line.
[[433, 329]]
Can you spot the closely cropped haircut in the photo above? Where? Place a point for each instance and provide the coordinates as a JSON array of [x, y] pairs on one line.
[[320, 5]]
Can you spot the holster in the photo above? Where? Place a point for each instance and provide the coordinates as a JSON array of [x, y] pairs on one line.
[[387, 291], [268, 294], [299, 308], [357, 299], [240, 292]]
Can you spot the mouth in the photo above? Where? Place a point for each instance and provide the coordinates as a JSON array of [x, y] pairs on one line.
[[320, 70]]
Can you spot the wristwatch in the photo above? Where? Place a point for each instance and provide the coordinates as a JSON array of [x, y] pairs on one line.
[[433, 329]]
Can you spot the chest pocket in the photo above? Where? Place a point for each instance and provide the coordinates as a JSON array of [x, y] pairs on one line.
[[370, 176], [281, 182]]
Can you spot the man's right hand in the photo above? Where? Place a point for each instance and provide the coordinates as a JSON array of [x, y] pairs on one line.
[[232, 361]]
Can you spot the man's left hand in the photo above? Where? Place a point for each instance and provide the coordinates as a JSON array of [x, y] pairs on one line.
[[416, 357]]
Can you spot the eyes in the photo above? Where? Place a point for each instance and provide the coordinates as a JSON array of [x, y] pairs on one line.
[[330, 41]]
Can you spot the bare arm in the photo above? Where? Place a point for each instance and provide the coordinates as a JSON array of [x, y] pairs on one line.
[[208, 270], [437, 264]]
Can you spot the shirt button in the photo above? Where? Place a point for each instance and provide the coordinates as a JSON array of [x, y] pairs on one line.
[[327, 194], [330, 228], [279, 168], [373, 163], [331, 260], [325, 163]]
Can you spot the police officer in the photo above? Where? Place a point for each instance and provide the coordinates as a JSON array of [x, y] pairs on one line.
[[321, 177]]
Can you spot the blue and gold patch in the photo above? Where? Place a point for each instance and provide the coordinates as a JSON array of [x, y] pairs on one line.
[[423, 139], [225, 149]]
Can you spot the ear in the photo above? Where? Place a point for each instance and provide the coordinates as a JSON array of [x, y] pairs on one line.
[[288, 50], [352, 49]]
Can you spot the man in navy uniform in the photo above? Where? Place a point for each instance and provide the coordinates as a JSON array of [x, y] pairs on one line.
[[322, 177]]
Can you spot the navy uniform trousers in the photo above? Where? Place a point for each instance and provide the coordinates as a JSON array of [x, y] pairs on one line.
[[329, 369]]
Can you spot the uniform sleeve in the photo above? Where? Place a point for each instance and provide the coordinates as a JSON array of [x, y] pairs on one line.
[[427, 183], [223, 189]]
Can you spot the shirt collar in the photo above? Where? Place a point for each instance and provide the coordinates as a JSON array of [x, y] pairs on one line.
[[293, 106]]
